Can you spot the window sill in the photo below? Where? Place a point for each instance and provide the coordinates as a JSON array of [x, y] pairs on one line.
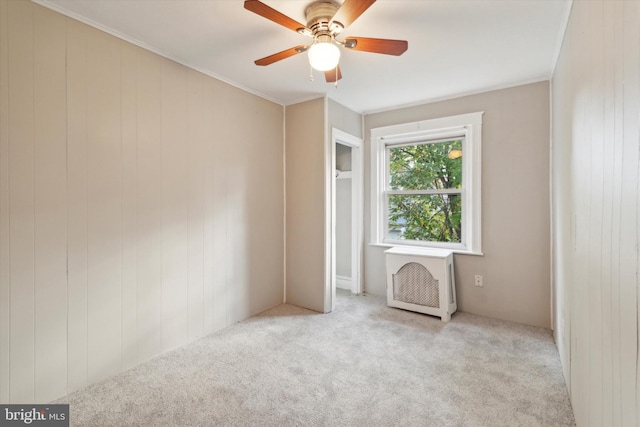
[[455, 251]]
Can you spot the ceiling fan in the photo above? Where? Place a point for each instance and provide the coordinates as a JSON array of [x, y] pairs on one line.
[[326, 20]]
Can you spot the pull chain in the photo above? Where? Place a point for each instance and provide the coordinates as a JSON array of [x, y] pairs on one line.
[[310, 73]]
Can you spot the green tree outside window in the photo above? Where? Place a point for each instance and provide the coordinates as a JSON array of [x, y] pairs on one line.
[[420, 169]]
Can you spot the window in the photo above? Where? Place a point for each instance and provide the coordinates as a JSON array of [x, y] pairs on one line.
[[426, 184], [422, 191]]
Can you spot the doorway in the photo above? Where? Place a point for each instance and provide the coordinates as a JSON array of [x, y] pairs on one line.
[[346, 213]]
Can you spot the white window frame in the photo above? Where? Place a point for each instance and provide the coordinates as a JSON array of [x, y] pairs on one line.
[[468, 126]]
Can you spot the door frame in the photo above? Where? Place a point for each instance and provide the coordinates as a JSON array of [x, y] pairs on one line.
[[357, 213]]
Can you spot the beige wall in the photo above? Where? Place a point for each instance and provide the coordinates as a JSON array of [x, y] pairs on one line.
[[308, 135], [595, 187], [341, 117], [305, 178], [138, 210], [515, 204]]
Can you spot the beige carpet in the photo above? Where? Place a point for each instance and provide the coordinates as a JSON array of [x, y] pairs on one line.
[[363, 365]]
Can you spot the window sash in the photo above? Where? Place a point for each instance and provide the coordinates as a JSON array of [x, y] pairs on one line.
[[418, 192], [387, 191], [435, 243], [423, 141]]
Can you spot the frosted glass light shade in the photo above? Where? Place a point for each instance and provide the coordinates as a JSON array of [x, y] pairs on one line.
[[324, 56]]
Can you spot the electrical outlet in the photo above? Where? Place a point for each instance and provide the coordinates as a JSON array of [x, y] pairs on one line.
[[479, 280]]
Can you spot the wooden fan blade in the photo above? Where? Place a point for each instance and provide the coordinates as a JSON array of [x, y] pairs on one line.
[[281, 55], [350, 11], [386, 46], [265, 11], [330, 76]]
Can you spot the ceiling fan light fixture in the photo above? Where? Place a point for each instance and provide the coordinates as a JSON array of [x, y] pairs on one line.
[[325, 20], [324, 55]]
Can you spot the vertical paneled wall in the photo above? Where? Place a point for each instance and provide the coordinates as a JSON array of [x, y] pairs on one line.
[[141, 204], [596, 217]]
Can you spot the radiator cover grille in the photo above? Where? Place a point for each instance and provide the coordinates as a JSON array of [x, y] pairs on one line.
[[414, 284]]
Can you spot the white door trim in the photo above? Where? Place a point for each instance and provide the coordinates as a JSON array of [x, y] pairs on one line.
[[357, 199]]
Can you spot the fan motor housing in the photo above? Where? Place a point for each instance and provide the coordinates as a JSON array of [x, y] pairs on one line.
[[319, 16]]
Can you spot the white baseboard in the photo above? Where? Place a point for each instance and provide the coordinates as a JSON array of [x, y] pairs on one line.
[[343, 282]]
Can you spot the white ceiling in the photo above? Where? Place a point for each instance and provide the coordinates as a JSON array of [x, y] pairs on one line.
[[456, 47]]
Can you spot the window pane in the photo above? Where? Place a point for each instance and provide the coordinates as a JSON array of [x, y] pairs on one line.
[[425, 217], [434, 166]]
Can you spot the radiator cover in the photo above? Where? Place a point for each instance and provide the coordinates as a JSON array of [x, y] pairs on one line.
[[421, 280]]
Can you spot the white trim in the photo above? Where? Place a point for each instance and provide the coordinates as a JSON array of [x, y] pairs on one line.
[[407, 246], [284, 201], [554, 65], [469, 125], [561, 35], [426, 192], [343, 174], [329, 216], [357, 197], [552, 227], [343, 282]]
